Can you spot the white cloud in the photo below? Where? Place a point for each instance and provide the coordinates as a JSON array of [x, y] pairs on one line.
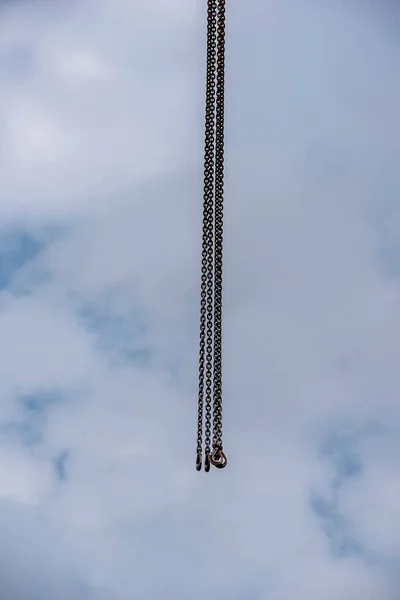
[[100, 104]]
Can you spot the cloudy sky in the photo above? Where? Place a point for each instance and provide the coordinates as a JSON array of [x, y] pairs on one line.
[[101, 143]]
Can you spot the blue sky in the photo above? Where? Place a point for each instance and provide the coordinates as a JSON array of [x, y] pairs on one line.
[[101, 143]]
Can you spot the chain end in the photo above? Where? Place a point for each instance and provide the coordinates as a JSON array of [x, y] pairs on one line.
[[207, 462], [198, 461], [218, 458]]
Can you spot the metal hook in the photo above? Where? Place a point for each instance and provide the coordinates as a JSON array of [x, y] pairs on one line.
[[218, 458]]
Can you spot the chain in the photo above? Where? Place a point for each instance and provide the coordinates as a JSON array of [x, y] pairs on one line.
[[210, 355]]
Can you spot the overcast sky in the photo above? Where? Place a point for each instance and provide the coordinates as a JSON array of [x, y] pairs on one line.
[[101, 144]]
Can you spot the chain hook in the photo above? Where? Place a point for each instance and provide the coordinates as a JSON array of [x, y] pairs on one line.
[[218, 458]]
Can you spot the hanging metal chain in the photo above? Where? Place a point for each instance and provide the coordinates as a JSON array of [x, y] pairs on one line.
[[210, 357]]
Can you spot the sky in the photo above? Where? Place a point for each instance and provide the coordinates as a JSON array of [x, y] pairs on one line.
[[101, 149]]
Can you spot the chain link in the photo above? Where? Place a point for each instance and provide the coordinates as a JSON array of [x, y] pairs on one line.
[[210, 355]]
